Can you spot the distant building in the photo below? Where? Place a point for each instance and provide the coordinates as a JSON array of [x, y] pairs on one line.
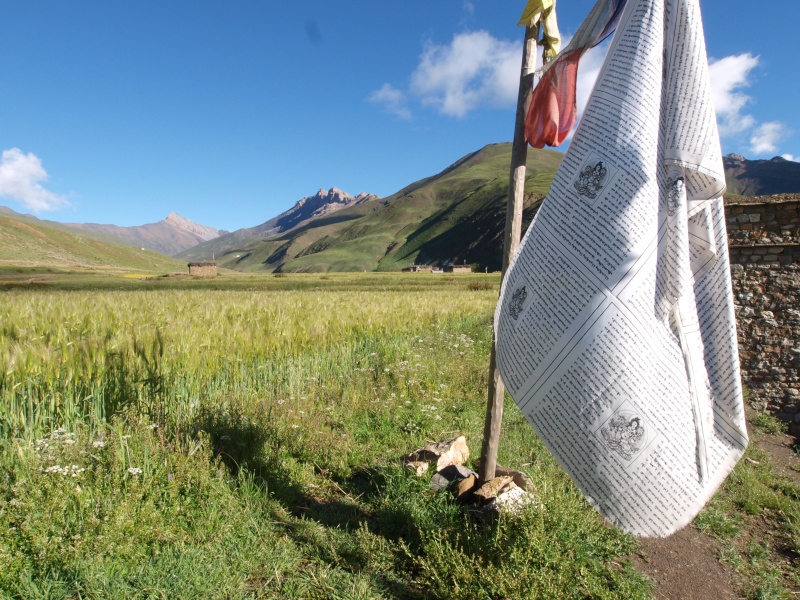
[[418, 269], [465, 268], [203, 269]]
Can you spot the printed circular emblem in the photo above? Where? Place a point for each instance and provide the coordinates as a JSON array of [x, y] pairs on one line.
[[674, 195], [517, 302], [624, 434], [591, 179]]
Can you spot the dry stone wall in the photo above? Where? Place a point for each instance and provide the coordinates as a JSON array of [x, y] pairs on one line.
[[768, 324], [764, 246], [764, 230]]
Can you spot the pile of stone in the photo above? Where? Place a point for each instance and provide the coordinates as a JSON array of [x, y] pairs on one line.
[[508, 492]]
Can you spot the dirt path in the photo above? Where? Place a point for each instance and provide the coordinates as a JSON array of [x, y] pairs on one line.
[[685, 566]]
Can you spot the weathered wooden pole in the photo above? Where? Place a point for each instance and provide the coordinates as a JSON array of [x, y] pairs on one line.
[[513, 233]]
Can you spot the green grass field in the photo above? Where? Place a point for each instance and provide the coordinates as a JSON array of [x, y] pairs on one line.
[[175, 437], [186, 443]]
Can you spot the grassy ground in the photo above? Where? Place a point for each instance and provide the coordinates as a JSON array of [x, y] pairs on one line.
[[756, 515], [188, 443], [240, 437]]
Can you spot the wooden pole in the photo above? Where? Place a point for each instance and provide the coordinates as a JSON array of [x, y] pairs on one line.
[[513, 233]]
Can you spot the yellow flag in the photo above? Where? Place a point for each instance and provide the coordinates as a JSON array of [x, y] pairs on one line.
[[534, 9], [543, 11]]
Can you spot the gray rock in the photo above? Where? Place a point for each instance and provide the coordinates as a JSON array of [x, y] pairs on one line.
[[450, 474]]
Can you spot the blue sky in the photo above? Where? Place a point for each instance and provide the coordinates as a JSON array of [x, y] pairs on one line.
[[230, 112]]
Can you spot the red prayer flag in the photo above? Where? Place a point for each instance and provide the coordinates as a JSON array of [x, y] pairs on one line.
[[553, 109]]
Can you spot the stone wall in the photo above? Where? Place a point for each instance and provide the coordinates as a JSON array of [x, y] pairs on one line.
[[764, 247], [764, 230], [768, 324]]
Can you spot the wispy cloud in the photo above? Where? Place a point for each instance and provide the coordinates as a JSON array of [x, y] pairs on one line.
[[790, 157], [729, 76], [392, 100], [765, 137], [21, 178], [475, 70]]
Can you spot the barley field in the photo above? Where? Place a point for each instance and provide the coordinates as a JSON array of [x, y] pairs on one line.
[[205, 440]]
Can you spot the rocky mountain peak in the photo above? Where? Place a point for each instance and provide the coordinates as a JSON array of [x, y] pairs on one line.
[[735, 157], [365, 197], [183, 224]]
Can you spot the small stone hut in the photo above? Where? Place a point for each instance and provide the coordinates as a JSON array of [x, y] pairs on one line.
[[419, 269], [203, 269], [465, 268]]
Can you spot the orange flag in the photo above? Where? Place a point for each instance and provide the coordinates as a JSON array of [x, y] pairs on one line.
[[553, 110]]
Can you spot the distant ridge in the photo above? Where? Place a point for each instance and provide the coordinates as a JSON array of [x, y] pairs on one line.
[[305, 210], [311, 207], [761, 177], [452, 217], [169, 236], [26, 241]]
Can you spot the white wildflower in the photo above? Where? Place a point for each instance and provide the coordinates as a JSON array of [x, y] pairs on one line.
[[98, 444], [134, 470]]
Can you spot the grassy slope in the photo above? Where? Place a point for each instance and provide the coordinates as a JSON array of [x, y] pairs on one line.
[[26, 242], [442, 218], [455, 215]]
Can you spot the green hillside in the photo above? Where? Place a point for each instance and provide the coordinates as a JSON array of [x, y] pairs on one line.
[[455, 216], [29, 243]]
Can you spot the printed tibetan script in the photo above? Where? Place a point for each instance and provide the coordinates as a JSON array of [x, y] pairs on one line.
[[615, 329]]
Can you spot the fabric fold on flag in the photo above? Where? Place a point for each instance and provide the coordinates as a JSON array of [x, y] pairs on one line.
[[553, 109]]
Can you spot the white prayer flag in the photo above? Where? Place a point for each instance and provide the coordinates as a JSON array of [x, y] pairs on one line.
[[615, 329]]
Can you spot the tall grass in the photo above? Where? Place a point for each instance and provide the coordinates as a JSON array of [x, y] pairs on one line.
[[221, 444], [72, 356]]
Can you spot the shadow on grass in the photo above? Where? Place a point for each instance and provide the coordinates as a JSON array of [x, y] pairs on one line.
[[246, 447]]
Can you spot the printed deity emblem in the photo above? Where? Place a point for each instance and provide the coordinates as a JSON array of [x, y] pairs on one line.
[[591, 180], [517, 302], [623, 435], [674, 195]]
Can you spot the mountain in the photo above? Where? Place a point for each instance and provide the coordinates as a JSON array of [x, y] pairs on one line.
[[310, 207], [306, 209], [26, 241], [761, 177], [169, 236], [454, 216]]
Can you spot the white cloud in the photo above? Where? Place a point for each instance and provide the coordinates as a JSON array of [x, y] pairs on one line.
[[393, 101], [766, 136], [729, 76], [21, 177], [474, 70], [790, 157]]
